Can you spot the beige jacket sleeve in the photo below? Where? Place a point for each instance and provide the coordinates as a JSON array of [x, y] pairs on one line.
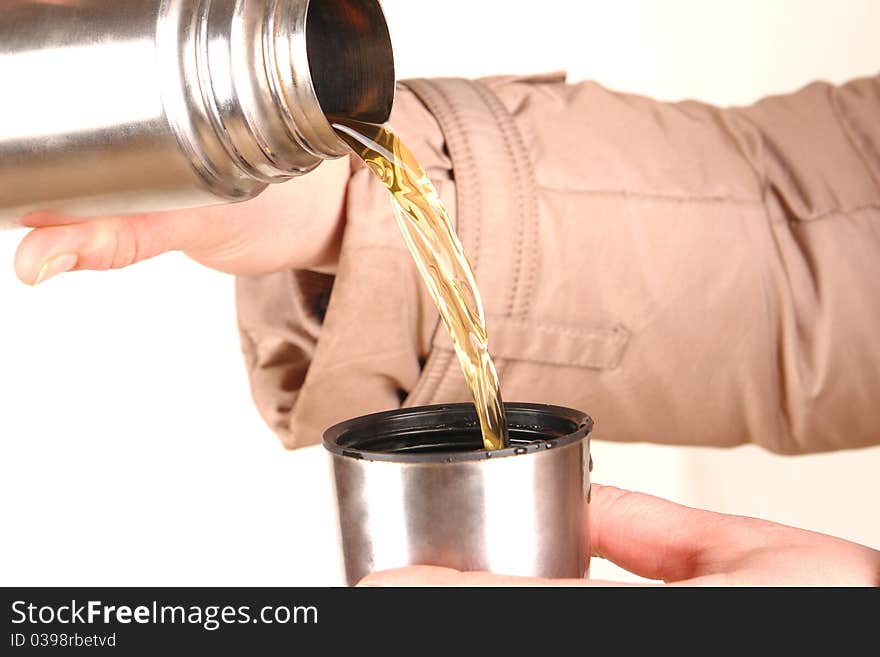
[[686, 274]]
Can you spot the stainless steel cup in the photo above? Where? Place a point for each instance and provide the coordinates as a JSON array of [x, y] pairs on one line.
[[134, 105], [414, 486]]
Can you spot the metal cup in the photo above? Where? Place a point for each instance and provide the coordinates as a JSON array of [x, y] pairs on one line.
[[415, 487]]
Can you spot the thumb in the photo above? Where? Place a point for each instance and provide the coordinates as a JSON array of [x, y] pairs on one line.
[[56, 246]]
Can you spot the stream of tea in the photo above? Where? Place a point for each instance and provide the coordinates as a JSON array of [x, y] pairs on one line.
[[431, 238]]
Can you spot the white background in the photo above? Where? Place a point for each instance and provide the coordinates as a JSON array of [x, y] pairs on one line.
[[130, 452]]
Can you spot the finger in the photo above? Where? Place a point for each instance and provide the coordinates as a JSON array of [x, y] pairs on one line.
[[101, 244], [296, 225], [655, 538], [436, 576]]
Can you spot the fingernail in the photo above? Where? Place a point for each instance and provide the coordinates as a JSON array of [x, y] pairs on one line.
[[57, 265]]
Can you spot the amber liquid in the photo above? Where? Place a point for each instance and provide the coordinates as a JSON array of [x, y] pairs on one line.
[[441, 260]]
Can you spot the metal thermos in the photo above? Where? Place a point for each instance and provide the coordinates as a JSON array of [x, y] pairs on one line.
[[415, 487], [119, 106]]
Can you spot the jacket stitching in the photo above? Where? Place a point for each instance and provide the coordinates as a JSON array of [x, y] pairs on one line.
[[434, 96], [447, 107], [830, 214], [472, 192], [753, 157], [444, 375], [527, 185], [612, 331], [651, 196], [502, 122]]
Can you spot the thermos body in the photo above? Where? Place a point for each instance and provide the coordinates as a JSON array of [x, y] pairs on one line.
[[414, 487], [136, 105]]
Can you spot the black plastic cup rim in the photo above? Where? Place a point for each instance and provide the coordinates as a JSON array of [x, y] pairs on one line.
[[451, 433]]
